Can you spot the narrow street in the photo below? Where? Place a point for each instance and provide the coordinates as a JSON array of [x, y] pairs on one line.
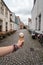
[[30, 54]]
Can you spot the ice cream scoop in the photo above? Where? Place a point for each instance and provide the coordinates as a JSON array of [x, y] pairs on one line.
[[21, 36]]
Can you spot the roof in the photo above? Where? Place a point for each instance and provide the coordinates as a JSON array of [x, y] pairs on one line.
[[5, 5]]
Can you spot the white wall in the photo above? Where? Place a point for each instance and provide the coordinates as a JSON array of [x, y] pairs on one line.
[[37, 9], [5, 19], [34, 15], [30, 25]]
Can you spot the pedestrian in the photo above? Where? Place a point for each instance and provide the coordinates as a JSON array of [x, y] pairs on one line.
[[10, 49]]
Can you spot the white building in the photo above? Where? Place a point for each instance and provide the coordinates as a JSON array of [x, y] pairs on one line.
[[12, 20], [17, 22], [37, 15], [29, 23], [6, 18]]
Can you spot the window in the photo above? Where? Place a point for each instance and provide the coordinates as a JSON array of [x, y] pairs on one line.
[[36, 23], [39, 21], [34, 1], [0, 25], [6, 26], [0, 28], [2, 8], [6, 12], [10, 26], [10, 14]]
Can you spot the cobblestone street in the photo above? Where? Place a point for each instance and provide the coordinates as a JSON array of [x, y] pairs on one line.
[[30, 54]]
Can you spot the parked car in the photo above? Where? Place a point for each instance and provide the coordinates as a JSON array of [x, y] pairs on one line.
[[40, 36], [33, 34], [37, 34]]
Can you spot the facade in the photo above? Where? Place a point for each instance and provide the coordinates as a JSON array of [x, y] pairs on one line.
[[17, 22], [6, 18], [21, 24], [12, 21], [37, 15], [29, 23]]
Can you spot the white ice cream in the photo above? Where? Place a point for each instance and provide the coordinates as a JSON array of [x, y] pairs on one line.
[[21, 34]]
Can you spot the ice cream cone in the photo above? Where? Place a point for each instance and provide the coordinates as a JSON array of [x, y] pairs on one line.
[[21, 36]]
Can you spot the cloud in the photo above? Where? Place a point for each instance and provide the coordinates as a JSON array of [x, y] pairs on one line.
[[20, 7], [23, 11]]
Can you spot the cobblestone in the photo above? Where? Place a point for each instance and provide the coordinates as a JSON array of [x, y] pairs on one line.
[[30, 54]]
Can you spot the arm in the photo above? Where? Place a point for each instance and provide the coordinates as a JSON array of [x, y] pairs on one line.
[[6, 50], [9, 49]]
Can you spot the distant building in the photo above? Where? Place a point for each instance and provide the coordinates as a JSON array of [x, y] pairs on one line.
[[21, 24], [29, 23], [16, 27], [37, 15], [17, 20]]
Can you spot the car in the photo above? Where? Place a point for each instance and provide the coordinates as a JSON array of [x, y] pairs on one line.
[[40, 36], [37, 34], [33, 34]]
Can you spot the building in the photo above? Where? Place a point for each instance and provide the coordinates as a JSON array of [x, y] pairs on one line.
[[6, 18], [29, 23], [16, 27], [37, 15], [21, 24], [12, 21], [17, 22]]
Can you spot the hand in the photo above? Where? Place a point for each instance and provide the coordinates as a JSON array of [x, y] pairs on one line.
[[20, 43]]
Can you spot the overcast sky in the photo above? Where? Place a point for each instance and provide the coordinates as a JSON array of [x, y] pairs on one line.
[[21, 8]]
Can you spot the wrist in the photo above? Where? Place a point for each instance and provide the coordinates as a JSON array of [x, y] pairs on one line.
[[18, 45], [15, 48]]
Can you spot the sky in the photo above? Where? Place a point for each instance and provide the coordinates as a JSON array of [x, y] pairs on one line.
[[21, 8]]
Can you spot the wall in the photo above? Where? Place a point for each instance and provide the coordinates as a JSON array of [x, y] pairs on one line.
[[37, 9]]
